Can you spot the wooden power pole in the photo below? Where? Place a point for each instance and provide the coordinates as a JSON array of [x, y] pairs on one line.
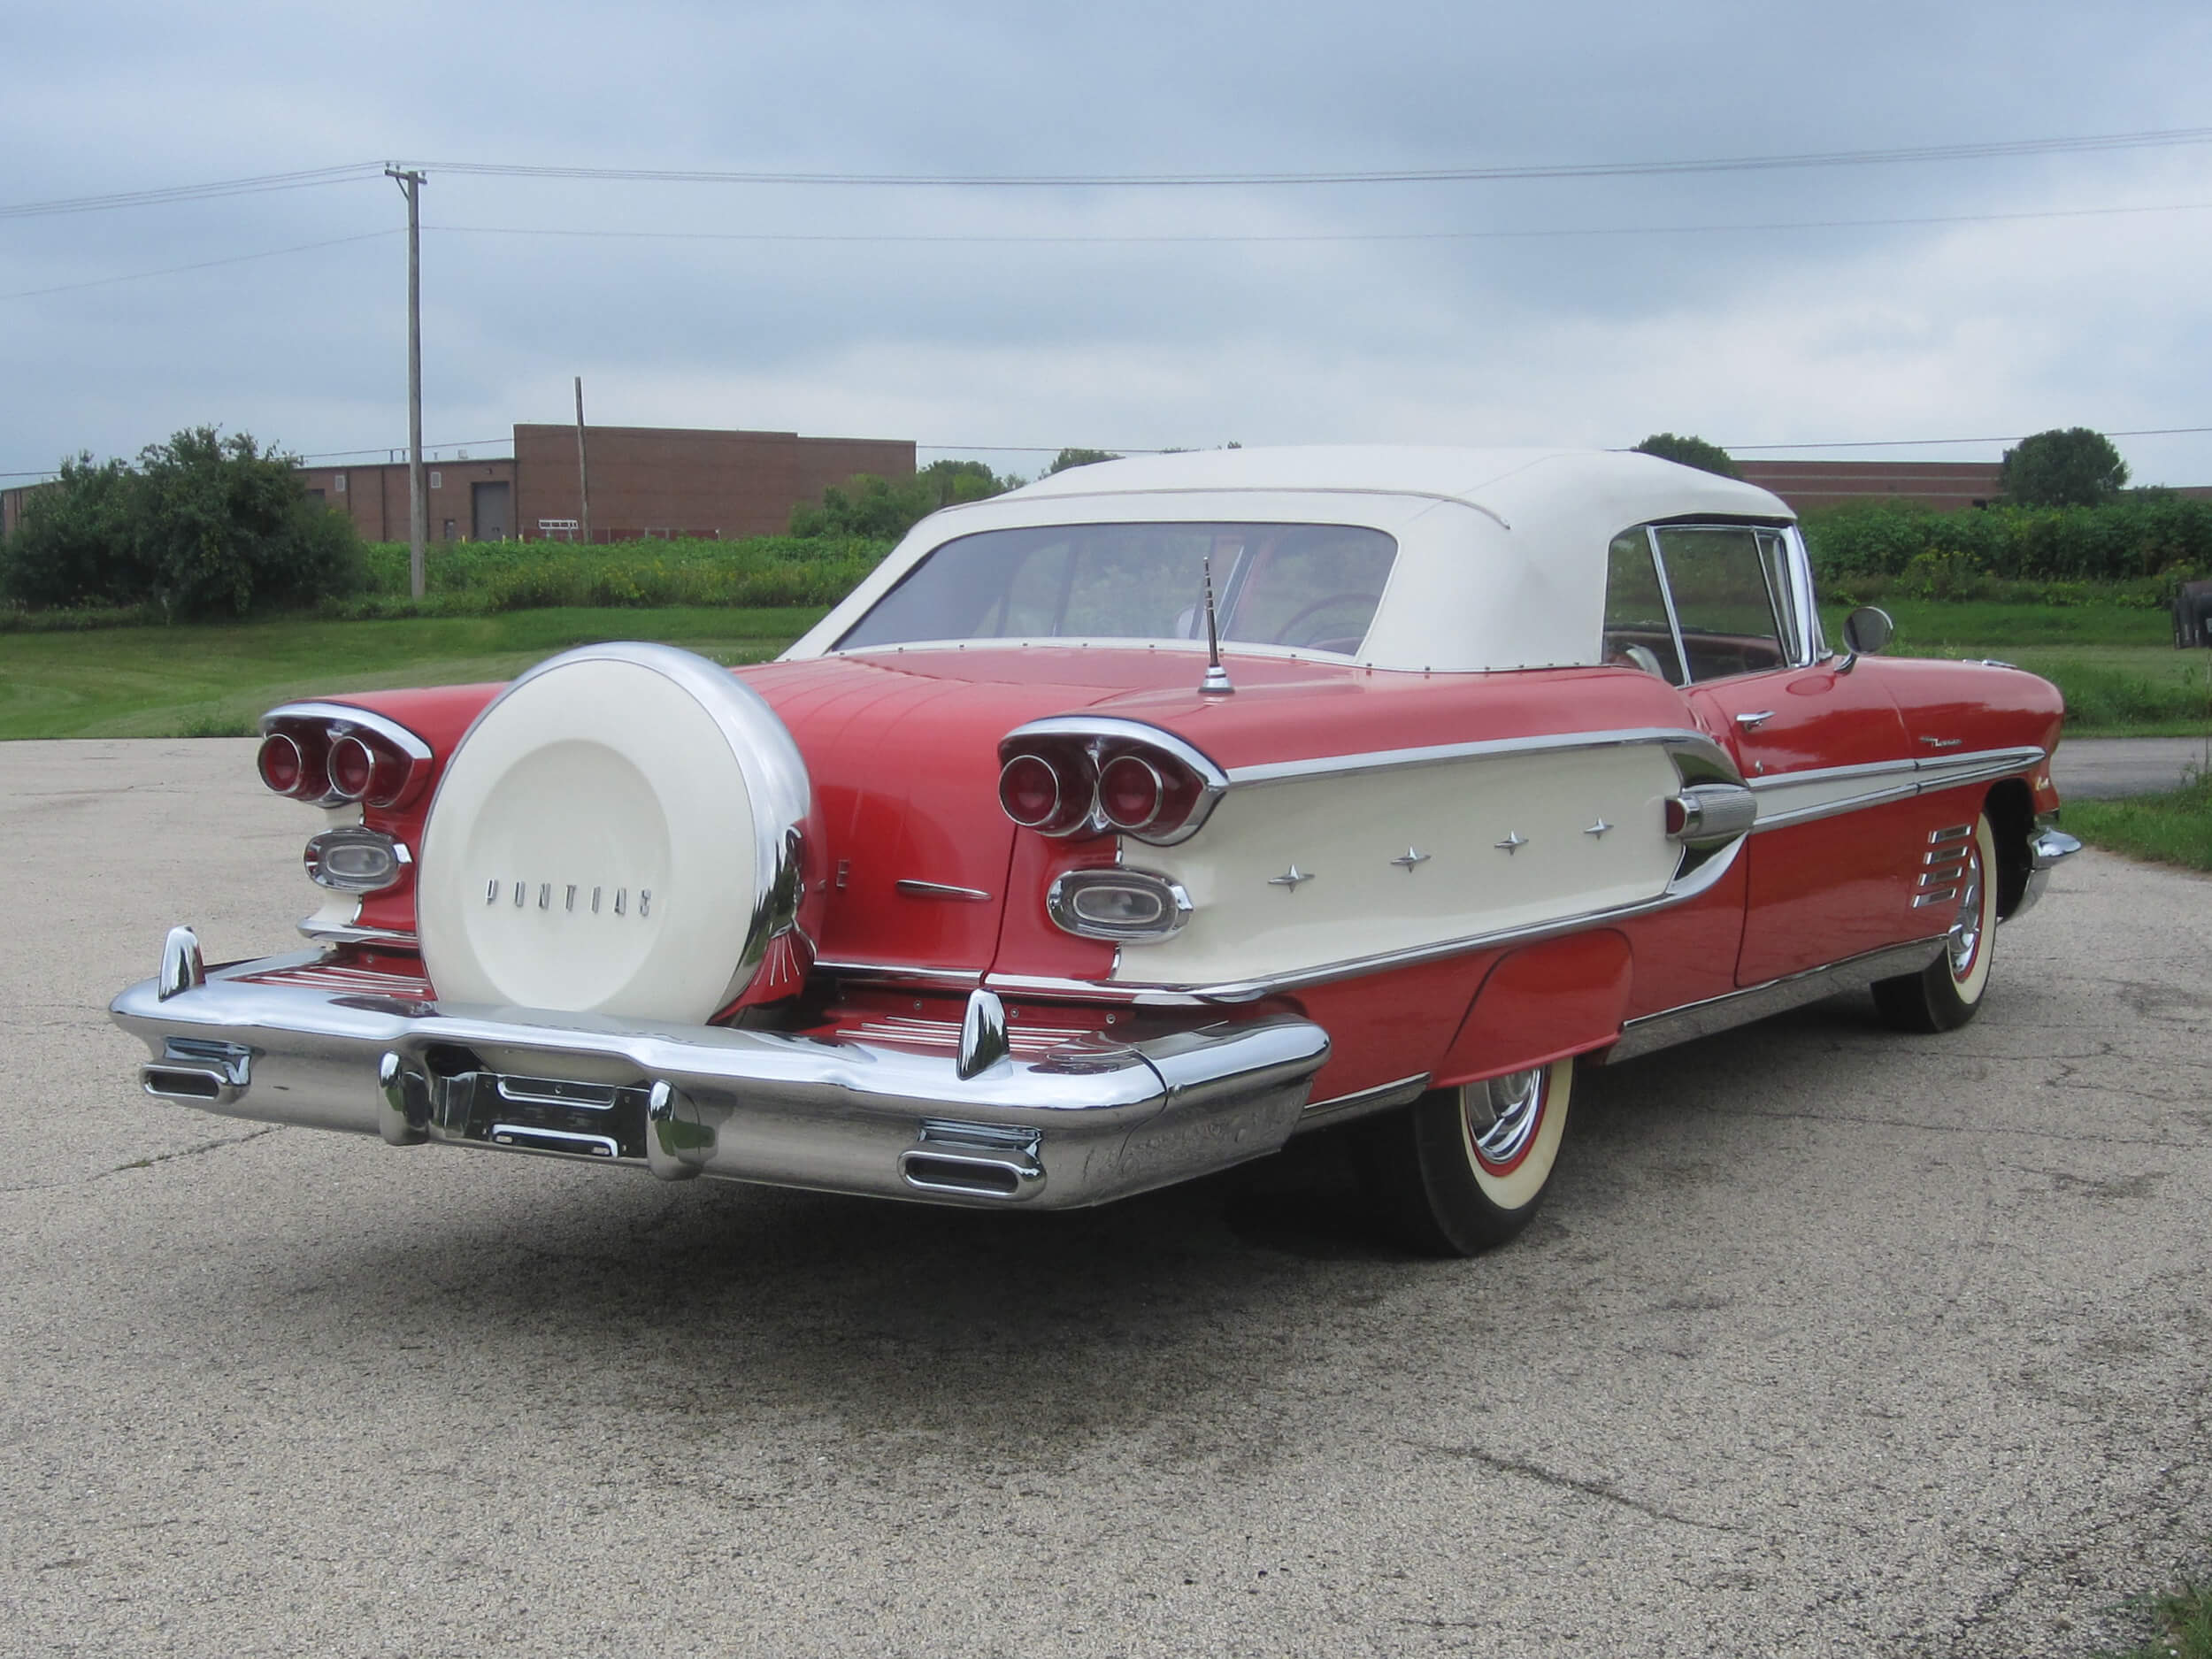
[[583, 473], [418, 507]]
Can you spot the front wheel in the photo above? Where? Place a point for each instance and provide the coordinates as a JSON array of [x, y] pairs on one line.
[[1948, 991], [1462, 1170]]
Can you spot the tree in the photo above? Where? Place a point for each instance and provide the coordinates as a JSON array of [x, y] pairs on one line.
[[1067, 458], [884, 509], [1688, 451], [200, 525], [2073, 467]]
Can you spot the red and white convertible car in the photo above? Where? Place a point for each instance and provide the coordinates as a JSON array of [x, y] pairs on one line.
[[1116, 830]]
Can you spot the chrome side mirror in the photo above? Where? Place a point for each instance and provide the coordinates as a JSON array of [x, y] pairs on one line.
[[1865, 632]]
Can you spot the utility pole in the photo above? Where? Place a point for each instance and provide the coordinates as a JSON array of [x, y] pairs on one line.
[[418, 507], [583, 473]]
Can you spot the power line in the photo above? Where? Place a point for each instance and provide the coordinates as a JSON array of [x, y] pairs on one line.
[[1314, 236], [254, 186], [1914, 444], [204, 264], [349, 171], [1977, 151]]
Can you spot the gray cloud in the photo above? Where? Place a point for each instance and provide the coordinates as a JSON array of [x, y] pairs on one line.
[[1746, 335]]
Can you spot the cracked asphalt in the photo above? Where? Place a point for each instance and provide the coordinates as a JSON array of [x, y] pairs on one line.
[[1829, 1341]]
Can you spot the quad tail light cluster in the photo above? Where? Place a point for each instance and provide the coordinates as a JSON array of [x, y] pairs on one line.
[[1071, 777], [332, 755]]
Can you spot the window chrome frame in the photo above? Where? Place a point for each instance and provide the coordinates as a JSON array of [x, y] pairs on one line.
[[1801, 644]]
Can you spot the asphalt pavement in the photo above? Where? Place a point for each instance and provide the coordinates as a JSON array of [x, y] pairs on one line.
[[2100, 768], [1829, 1341]]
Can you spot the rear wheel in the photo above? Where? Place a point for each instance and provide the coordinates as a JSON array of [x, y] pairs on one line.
[[1462, 1170], [1948, 991]]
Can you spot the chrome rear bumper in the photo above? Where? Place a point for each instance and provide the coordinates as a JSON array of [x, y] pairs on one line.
[[1079, 1124]]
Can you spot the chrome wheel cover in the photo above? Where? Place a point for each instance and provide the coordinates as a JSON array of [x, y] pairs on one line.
[[1965, 941], [1501, 1114]]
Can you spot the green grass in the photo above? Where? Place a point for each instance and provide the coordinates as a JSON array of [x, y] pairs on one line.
[[213, 680], [2172, 828], [2182, 1626]]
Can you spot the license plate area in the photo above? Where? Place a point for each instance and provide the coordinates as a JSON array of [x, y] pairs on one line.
[[604, 1122]]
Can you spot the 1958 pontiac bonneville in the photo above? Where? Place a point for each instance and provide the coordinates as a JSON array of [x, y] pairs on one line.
[[1118, 829]]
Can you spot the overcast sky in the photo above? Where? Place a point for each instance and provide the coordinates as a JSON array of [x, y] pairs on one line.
[[1752, 307]]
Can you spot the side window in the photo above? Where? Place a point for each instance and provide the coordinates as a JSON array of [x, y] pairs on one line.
[[1774, 553], [1723, 601], [1637, 629]]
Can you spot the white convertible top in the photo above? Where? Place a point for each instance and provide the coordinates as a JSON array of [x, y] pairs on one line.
[[1501, 553]]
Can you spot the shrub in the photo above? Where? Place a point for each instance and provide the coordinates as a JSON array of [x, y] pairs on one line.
[[199, 526], [2149, 544]]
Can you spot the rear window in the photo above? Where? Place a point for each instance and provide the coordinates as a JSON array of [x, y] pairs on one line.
[[1313, 586]]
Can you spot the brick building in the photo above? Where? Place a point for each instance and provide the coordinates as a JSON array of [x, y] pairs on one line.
[[645, 480], [1808, 485]]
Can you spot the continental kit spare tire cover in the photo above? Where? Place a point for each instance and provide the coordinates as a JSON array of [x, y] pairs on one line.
[[619, 832]]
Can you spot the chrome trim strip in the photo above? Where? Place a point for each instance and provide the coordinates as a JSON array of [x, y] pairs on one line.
[[1382, 1097], [1437, 754], [1977, 766], [1955, 832], [918, 889], [1934, 895], [390, 730], [902, 973], [395, 936], [1915, 777], [1775, 996]]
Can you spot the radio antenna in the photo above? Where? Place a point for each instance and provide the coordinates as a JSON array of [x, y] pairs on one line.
[[1216, 682]]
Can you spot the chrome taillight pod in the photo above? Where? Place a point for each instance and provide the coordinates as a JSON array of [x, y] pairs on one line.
[[329, 755], [1111, 776]]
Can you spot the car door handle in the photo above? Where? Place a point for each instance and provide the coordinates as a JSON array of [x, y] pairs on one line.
[[1753, 721]]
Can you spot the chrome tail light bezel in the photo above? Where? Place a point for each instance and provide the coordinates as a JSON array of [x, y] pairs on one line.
[[400, 762], [1079, 748]]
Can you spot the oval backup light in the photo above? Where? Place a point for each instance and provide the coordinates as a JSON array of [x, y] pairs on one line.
[[1127, 906]]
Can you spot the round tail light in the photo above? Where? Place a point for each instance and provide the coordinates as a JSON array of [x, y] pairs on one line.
[[1029, 789], [352, 768], [1130, 792], [281, 762]]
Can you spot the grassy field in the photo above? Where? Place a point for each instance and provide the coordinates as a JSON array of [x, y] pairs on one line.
[[2119, 674], [212, 682], [2172, 828]]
